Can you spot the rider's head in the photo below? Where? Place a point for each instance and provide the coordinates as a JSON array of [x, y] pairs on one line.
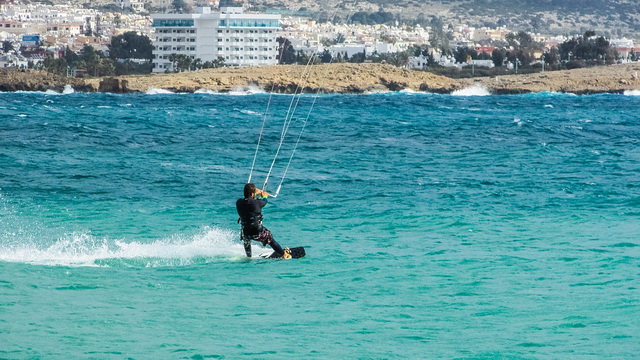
[[249, 190]]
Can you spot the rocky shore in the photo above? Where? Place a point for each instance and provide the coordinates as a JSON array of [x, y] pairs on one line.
[[333, 78], [603, 79], [32, 80], [328, 78]]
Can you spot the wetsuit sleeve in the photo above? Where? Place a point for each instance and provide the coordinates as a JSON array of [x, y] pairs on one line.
[[262, 202]]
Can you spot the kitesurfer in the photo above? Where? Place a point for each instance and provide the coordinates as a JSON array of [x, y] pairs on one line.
[[250, 212]]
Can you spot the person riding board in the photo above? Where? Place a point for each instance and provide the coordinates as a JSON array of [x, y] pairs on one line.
[[250, 211]]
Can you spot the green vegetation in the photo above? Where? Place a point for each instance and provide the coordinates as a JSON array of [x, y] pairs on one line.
[[130, 45], [95, 63], [181, 63], [129, 53], [7, 46]]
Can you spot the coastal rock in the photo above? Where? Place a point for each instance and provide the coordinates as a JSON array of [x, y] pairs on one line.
[[12, 79], [594, 80], [333, 78], [325, 78], [113, 85]]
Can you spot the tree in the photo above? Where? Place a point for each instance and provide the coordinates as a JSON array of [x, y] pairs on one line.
[[55, 66], [303, 58], [130, 45], [129, 67], [552, 57], [87, 27], [71, 57], [462, 54], [588, 48], [180, 62], [286, 52], [181, 6], [498, 56], [326, 57], [91, 59], [7, 46], [219, 62], [196, 64], [358, 57]]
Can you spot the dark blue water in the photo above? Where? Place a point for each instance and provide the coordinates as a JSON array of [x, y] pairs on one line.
[[436, 226]]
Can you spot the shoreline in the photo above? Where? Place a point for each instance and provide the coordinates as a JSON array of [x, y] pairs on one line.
[[344, 78]]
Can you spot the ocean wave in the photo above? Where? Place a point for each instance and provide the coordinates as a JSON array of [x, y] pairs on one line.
[[248, 112], [475, 90], [632, 93], [81, 249], [68, 89], [155, 91], [247, 90], [206, 91]]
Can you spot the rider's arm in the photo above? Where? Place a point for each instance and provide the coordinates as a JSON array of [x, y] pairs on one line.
[[262, 193], [261, 196]]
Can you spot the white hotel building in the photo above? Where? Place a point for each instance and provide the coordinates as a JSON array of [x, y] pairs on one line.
[[240, 39]]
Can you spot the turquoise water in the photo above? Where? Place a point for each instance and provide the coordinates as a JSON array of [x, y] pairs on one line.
[[436, 226]]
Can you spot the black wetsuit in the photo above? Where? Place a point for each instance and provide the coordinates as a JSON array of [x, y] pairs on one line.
[[250, 212]]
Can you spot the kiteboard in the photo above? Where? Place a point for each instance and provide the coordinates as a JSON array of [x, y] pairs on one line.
[[296, 253]]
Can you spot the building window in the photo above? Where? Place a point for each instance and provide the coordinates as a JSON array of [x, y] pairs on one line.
[[172, 22]]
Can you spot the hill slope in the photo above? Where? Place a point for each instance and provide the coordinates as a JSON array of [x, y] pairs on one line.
[[613, 17]]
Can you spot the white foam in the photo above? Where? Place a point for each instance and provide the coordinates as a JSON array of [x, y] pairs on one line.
[[86, 250], [206, 91], [154, 91], [407, 91], [475, 90], [378, 92], [247, 90], [68, 89], [632, 92], [248, 112]]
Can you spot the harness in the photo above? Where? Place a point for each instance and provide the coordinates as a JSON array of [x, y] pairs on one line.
[[253, 222]]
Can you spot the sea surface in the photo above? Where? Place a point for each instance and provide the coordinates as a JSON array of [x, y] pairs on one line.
[[436, 226]]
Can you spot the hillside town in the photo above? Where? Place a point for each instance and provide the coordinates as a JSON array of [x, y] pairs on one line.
[[183, 36]]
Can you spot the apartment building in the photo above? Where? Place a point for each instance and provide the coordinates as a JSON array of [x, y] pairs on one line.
[[241, 39]]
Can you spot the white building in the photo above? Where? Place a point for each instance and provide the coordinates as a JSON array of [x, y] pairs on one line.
[[135, 5], [368, 49], [240, 39]]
